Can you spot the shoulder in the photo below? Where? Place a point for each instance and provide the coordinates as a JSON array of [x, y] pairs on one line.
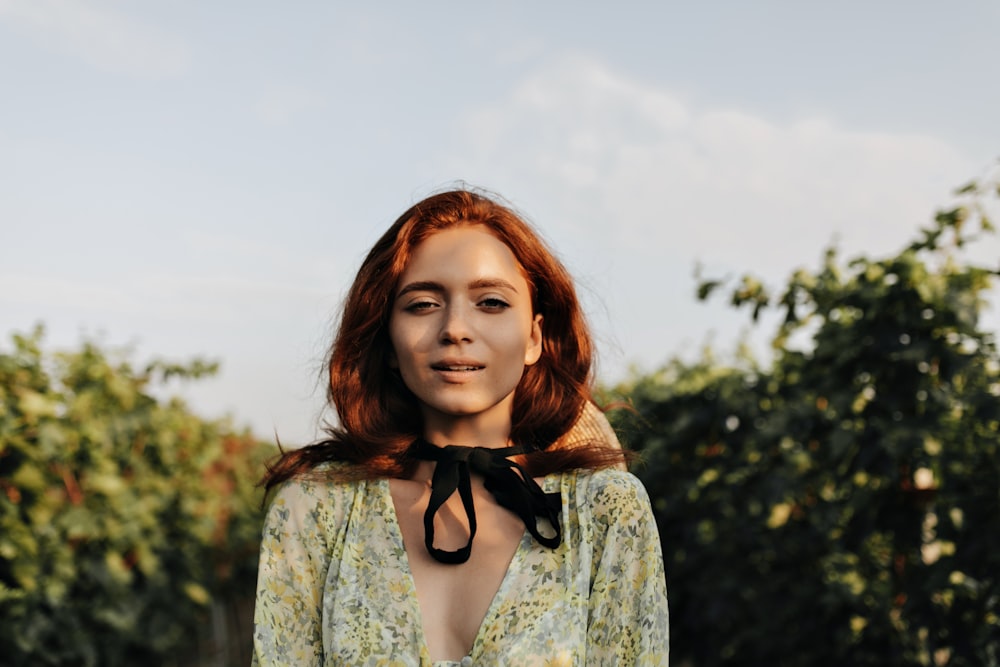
[[612, 495], [313, 501], [611, 486]]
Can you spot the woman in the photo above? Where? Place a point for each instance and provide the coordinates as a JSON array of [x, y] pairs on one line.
[[455, 516]]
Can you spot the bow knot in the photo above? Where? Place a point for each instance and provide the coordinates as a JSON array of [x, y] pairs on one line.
[[509, 483], [480, 459]]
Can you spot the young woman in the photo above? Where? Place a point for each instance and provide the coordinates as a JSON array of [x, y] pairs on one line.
[[470, 508]]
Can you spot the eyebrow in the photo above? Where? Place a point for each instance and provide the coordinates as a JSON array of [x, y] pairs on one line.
[[431, 286]]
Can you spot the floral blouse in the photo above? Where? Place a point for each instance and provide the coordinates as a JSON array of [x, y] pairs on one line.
[[335, 586]]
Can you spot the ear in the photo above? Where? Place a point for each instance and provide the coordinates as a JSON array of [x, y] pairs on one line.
[[533, 352]]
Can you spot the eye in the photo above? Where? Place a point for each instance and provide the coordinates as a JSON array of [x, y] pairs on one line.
[[494, 304], [419, 306]]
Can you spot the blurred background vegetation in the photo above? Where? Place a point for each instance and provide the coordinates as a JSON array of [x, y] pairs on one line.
[[839, 505], [836, 505], [128, 525]]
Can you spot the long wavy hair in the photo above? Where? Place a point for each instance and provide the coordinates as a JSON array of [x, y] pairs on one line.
[[380, 418]]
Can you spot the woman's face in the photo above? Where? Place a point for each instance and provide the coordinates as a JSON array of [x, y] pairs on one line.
[[462, 328]]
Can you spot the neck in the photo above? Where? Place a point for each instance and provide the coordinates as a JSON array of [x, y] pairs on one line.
[[466, 432]]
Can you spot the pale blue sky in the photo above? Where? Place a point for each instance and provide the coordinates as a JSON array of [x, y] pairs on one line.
[[202, 178]]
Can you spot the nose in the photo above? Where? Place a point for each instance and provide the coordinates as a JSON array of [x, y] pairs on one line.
[[456, 326]]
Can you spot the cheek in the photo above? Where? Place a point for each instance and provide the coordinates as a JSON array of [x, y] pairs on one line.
[[517, 343], [404, 346], [395, 344]]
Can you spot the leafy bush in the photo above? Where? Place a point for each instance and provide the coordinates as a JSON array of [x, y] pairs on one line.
[[841, 504], [121, 515]]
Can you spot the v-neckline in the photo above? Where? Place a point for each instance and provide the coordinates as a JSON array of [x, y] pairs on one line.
[[396, 534]]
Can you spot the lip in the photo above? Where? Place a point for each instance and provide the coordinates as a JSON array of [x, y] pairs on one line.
[[457, 365], [457, 371]]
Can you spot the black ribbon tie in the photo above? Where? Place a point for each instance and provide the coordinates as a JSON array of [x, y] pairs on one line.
[[509, 483]]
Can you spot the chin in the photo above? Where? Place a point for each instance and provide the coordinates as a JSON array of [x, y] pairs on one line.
[[461, 411]]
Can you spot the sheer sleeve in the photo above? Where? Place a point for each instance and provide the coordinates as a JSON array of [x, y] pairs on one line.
[[294, 557], [628, 618]]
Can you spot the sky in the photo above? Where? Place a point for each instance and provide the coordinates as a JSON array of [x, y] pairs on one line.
[[202, 179]]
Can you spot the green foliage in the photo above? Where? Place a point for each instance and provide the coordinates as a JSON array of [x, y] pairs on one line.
[[121, 515], [840, 505]]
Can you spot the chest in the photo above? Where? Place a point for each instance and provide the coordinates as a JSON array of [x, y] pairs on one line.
[[455, 599], [372, 606]]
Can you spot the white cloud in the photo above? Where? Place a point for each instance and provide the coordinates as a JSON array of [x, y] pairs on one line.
[[100, 35], [640, 165]]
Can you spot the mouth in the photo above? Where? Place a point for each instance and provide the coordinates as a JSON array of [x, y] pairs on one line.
[[460, 366]]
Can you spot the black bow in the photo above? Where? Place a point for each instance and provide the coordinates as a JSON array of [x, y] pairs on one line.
[[509, 483]]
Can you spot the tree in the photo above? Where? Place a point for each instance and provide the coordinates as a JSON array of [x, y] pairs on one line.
[[121, 515], [840, 505]]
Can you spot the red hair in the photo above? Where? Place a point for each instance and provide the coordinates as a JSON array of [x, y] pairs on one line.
[[380, 418]]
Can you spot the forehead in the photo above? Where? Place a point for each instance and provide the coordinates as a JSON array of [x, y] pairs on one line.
[[469, 252]]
